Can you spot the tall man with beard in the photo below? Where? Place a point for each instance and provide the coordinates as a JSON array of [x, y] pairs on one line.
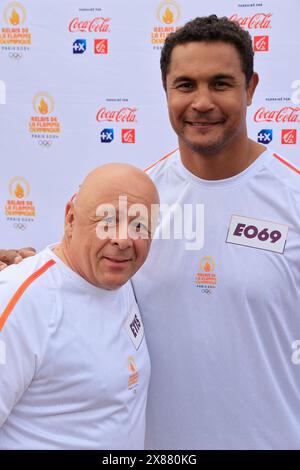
[[222, 322]]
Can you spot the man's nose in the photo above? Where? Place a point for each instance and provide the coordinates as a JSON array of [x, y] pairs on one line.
[[122, 240], [122, 243], [203, 100]]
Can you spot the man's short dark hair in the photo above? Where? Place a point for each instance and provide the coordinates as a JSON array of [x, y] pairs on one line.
[[210, 28]]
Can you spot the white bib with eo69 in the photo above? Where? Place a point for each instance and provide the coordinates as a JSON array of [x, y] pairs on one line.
[[257, 233]]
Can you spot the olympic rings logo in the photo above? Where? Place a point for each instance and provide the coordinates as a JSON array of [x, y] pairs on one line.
[[19, 226], [206, 291], [45, 143], [15, 55]]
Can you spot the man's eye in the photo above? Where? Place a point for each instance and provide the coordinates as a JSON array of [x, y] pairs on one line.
[[109, 221], [140, 227], [222, 85], [185, 86]]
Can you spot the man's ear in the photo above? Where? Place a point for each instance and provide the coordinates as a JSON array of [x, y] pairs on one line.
[[69, 219], [251, 88]]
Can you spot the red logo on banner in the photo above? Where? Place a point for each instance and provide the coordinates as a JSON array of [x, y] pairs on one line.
[[123, 115], [261, 43], [97, 25], [128, 136], [257, 21], [101, 46], [286, 114], [289, 136]]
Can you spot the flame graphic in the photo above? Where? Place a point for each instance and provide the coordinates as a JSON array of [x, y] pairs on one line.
[[43, 107], [207, 267], [14, 18], [168, 17], [131, 366], [19, 191]]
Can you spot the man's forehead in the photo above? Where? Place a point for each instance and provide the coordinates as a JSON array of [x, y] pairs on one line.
[[124, 207], [121, 201], [136, 188], [214, 55]]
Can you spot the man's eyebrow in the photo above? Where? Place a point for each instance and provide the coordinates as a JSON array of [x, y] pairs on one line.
[[140, 218], [182, 78], [224, 76], [219, 76]]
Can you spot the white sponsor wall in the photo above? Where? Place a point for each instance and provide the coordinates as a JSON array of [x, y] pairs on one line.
[[80, 86]]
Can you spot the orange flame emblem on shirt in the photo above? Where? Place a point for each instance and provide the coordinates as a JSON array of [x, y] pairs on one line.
[[207, 264], [14, 18], [131, 365], [43, 107], [207, 267], [168, 17], [19, 191]]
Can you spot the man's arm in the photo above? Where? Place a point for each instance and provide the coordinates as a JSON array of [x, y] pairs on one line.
[[8, 257], [24, 333], [17, 364]]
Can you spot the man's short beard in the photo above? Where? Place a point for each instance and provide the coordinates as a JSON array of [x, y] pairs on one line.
[[209, 149], [205, 149]]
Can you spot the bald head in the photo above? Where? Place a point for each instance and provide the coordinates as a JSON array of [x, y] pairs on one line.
[[115, 179], [109, 226]]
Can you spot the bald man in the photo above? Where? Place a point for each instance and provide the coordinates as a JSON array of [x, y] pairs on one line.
[[74, 364]]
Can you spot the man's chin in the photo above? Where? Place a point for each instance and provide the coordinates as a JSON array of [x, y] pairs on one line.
[[112, 283], [205, 148]]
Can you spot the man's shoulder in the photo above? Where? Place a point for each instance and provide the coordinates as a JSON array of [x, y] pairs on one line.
[[24, 283], [33, 266], [160, 167], [28, 312], [285, 172]]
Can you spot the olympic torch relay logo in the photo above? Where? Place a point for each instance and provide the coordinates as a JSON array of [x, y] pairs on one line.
[[168, 15], [44, 127], [19, 209], [15, 37], [206, 278], [134, 375]]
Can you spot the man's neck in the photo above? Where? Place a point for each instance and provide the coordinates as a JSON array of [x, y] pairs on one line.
[[60, 252], [223, 164]]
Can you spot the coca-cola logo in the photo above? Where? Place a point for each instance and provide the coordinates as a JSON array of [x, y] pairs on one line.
[[286, 114], [123, 115], [96, 25], [257, 21]]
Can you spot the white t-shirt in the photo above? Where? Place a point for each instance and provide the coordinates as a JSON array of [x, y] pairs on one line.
[[74, 364], [223, 322]]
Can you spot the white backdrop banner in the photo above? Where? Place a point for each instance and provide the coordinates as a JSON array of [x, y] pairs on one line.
[[80, 86]]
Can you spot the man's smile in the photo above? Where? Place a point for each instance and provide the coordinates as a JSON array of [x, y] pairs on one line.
[[203, 124]]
